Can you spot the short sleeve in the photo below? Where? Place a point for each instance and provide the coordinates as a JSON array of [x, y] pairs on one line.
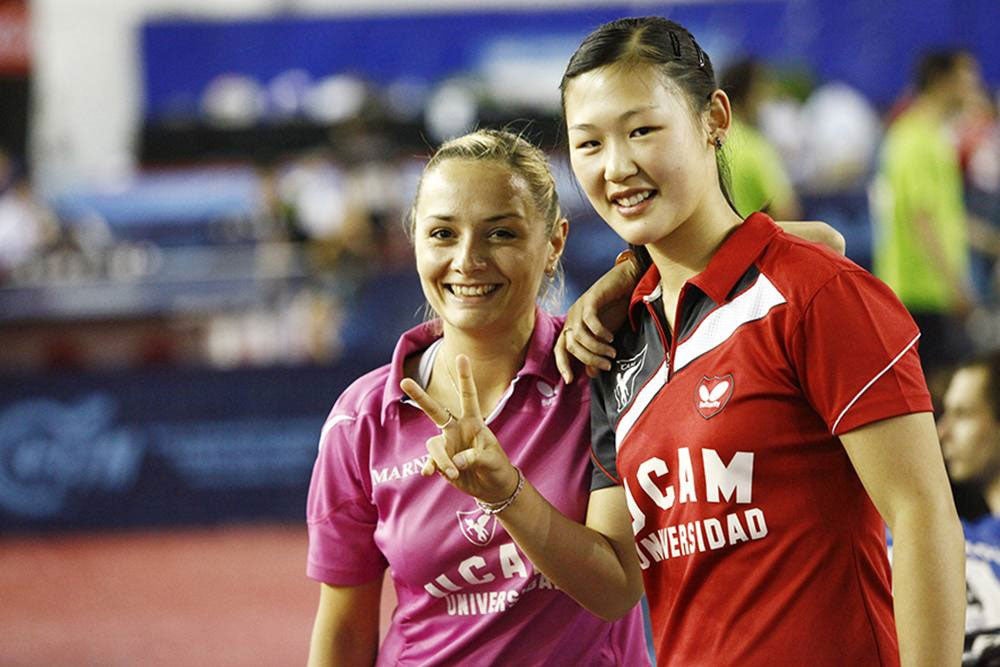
[[602, 441], [340, 514], [855, 354]]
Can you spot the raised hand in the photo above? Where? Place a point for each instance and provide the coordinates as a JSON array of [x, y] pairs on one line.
[[466, 452]]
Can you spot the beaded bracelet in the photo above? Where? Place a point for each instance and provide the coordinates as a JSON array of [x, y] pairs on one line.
[[496, 508]]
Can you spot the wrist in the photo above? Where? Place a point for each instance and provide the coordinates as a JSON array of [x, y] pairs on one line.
[[625, 255], [495, 507], [626, 262]]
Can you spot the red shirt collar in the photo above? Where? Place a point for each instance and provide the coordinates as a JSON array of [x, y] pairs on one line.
[[737, 253]]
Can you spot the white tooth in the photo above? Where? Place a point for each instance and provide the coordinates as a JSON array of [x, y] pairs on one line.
[[635, 199], [472, 290]]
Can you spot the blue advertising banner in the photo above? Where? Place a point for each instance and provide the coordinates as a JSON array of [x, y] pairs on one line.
[[161, 447], [871, 46]]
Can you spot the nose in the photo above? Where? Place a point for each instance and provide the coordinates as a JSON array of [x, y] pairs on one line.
[[618, 162], [469, 256]]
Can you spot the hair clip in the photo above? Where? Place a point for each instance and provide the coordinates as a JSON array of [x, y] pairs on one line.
[[676, 44], [701, 54]]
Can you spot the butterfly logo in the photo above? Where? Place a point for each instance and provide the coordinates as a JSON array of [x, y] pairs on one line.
[[713, 394], [547, 391]]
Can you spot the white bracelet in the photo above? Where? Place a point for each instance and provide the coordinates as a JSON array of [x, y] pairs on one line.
[[496, 508]]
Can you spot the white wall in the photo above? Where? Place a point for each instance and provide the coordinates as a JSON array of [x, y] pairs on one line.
[[87, 82]]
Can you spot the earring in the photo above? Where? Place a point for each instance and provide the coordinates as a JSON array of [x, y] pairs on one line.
[[718, 142]]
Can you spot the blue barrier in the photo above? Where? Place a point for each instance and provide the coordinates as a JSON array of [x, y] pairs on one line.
[[162, 447]]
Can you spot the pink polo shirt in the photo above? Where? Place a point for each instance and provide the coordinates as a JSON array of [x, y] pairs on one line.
[[466, 593]]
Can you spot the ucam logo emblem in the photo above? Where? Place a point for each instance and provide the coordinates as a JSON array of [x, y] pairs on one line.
[[628, 370], [713, 394], [477, 527]]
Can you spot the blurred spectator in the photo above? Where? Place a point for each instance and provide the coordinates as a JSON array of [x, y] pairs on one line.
[[979, 154], [970, 440], [922, 238], [759, 181], [26, 225], [324, 211], [841, 132]]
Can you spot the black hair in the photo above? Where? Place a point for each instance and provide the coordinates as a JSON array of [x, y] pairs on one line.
[[989, 362], [936, 65], [660, 42]]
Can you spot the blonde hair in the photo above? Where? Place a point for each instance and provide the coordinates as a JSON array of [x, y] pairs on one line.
[[522, 158]]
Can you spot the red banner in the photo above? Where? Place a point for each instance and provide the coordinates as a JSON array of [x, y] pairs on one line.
[[15, 51]]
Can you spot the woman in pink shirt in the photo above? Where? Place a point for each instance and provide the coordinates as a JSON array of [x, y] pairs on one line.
[[488, 235]]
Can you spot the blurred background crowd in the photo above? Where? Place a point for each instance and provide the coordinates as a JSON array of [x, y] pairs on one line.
[[213, 192], [201, 204], [196, 186], [200, 195]]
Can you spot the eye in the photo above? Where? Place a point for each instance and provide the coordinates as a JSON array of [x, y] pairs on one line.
[[642, 131], [441, 234], [503, 234], [589, 143]]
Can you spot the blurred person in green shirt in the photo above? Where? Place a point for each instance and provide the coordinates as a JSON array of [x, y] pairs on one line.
[[758, 180], [921, 230]]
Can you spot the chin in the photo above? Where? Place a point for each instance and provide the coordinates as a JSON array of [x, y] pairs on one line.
[[473, 323]]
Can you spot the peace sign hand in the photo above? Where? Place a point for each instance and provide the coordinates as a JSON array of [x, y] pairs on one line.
[[466, 452]]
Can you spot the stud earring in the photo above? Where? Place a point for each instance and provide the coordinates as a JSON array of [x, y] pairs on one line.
[[718, 142]]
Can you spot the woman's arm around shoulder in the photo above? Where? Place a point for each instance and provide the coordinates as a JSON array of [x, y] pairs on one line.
[[601, 310], [899, 462], [346, 628]]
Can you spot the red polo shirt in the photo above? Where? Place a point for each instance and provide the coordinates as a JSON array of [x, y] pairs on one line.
[[759, 544]]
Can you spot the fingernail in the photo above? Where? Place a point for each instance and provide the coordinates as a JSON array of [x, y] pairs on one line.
[[452, 473]]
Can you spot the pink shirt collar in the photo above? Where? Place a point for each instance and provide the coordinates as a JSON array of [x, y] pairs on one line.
[[539, 361]]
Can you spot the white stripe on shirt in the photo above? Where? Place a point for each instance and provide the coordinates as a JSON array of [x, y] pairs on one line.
[[641, 402], [330, 423], [721, 323], [872, 381]]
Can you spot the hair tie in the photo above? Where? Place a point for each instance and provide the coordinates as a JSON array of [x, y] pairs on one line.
[[676, 44]]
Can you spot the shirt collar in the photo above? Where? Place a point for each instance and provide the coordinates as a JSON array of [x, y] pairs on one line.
[[737, 254], [729, 263], [539, 360]]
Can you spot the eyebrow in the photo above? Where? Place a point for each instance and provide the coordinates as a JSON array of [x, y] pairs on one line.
[[624, 117], [447, 217]]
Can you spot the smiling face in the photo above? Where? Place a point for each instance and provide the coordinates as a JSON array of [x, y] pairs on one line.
[[643, 157], [481, 247], [970, 434]]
